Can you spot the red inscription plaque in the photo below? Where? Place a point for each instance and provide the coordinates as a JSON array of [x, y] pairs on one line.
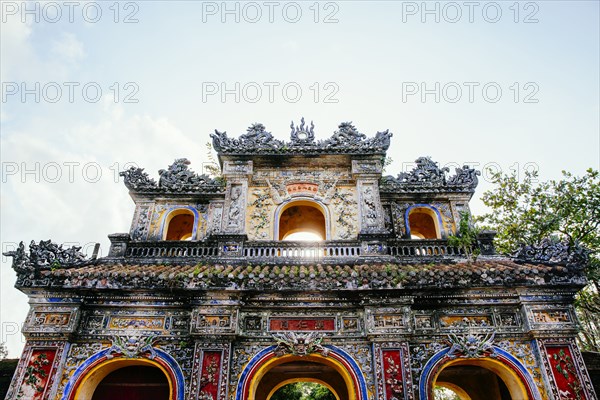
[[565, 373], [302, 187], [302, 324]]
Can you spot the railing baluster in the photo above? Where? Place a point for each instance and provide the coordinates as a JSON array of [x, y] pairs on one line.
[[277, 250]]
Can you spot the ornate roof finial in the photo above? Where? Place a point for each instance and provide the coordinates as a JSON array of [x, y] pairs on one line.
[[301, 136]]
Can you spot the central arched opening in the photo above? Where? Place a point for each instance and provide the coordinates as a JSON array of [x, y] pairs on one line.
[[303, 370], [422, 223], [179, 225], [304, 390], [302, 220], [478, 379], [138, 382]]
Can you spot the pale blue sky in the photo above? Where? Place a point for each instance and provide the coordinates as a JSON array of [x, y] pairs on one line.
[[372, 52]]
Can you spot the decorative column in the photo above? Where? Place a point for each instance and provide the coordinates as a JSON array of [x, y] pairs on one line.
[[47, 329], [213, 328], [554, 327], [388, 329], [233, 225], [371, 217], [564, 369]]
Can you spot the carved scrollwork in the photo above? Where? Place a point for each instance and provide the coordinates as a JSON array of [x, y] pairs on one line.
[[471, 346], [132, 346], [136, 179], [465, 176], [426, 172], [44, 256], [299, 344], [428, 176], [256, 138], [176, 178], [551, 251], [346, 135], [21, 261]]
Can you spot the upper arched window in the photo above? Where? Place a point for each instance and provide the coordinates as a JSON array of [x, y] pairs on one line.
[[180, 225], [423, 223], [302, 220]]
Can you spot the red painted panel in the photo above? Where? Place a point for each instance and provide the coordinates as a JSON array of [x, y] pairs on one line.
[[565, 373], [302, 324], [37, 374], [392, 374], [211, 374]]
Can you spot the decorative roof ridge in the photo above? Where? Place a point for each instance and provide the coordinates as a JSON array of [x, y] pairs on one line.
[[223, 266], [177, 178], [346, 140], [46, 256], [308, 278], [552, 251], [427, 176]]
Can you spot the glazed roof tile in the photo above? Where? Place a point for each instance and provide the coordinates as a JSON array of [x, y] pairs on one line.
[[483, 273]]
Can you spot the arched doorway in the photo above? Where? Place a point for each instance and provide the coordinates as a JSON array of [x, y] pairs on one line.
[[500, 376], [180, 225], [301, 220], [91, 374], [470, 381], [423, 223], [125, 379], [266, 372], [133, 383], [309, 370]]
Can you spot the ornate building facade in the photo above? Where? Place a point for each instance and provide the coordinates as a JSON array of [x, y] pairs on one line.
[[207, 297]]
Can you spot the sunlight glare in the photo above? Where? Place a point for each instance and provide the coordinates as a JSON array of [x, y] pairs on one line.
[[303, 237]]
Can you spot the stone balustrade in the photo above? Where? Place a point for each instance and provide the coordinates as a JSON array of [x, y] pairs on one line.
[[297, 252]]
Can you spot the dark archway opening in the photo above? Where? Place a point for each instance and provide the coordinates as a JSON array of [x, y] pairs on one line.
[[302, 219], [133, 383], [470, 382], [181, 227]]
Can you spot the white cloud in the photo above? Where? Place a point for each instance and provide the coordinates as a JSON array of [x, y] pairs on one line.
[[68, 48], [16, 53], [82, 211]]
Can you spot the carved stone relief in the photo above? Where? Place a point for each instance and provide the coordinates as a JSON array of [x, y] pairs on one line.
[[214, 321], [371, 211], [398, 210], [141, 222], [51, 321], [216, 217], [235, 208], [344, 214], [550, 317], [387, 320], [261, 212], [237, 167]]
